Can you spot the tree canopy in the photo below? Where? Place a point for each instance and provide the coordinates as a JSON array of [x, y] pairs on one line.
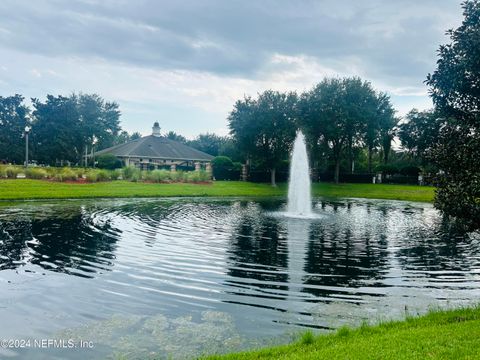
[[419, 133], [344, 114], [64, 126], [264, 128], [14, 116]]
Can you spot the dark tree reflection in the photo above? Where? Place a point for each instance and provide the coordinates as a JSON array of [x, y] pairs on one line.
[[258, 251], [70, 240], [337, 257], [439, 248]]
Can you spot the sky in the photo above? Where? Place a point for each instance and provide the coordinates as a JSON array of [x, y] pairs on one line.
[[184, 63]]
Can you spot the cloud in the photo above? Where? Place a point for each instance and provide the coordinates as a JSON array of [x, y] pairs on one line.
[[198, 57]]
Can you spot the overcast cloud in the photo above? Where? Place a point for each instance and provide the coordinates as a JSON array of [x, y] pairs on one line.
[[184, 63]]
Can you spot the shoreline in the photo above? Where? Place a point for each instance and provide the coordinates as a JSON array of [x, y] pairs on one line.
[[26, 189], [439, 334]]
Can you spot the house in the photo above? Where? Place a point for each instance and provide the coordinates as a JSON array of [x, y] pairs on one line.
[[156, 152]]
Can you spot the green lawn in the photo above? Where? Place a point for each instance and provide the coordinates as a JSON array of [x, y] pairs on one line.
[[21, 189], [438, 335]]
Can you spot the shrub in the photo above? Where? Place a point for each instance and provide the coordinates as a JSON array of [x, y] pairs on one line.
[[165, 175], [80, 172], [91, 176], [237, 166], [189, 176], [176, 175], [196, 176], [51, 172], [410, 170], [115, 174], [222, 167], [108, 161], [35, 173], [203, 176], [129, 171], [103, 175], [158, 176], [150, 176], [95, 175], [66, 174], [136, 176], [11, 172], [387, 169], [2, 172], [222, 162]]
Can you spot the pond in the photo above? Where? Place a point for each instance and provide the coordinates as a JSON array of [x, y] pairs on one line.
[[155, 278]]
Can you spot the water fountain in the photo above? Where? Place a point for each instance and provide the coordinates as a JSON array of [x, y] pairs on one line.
[[299, 192]]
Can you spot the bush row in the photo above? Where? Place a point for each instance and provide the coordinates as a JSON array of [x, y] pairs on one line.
[[408, 170], [95, 175]]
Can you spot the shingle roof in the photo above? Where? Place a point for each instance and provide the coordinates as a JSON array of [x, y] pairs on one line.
[[158, 147]]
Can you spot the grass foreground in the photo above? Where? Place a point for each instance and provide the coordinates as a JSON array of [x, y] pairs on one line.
[[453, 334], [25, 189]]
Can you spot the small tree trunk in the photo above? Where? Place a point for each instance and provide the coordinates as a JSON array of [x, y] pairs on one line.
[[370, 154], [337, 171], [272, 177], [350, 157]]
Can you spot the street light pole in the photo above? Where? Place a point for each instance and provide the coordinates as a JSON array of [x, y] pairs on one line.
[[27, 130]]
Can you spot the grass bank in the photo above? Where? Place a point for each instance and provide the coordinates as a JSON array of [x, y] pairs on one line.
[[23, 189], [439, 335]]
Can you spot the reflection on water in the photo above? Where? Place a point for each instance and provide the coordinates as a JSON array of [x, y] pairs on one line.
[[182, 277], [65, 239]]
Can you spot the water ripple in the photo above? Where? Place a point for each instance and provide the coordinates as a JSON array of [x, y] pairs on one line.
[[73, 262]]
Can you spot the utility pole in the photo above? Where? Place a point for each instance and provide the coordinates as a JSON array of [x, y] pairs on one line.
[[94, 142], [27, 130]]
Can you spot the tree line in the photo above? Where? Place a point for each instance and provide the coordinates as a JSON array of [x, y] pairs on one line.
[[62, 128], [338, 116], [345, 120]]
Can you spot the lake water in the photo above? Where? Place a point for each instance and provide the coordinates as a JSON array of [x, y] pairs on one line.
[[154, 278]]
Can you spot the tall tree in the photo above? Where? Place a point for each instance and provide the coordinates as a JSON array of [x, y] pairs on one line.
[[323, 114], [55, 130], [371, 137], [455, 90], [242, 126], [209, 143], [265, 128], [136, 135], [98, 119], [387, 124], [336, 113], [172, 135], [419, 133], [121, 138], [64, 126], [377, 131], [362, 107], [14, 116]]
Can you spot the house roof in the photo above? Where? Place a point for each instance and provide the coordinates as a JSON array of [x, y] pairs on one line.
[[157, 147]]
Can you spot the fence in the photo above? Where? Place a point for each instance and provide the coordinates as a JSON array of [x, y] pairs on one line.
[[223, 174], [366, 178]]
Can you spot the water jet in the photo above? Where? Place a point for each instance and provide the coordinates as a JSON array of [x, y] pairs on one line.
[[299, 184]]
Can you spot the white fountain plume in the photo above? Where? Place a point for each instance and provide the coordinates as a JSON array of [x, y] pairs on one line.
[[299, 193]]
